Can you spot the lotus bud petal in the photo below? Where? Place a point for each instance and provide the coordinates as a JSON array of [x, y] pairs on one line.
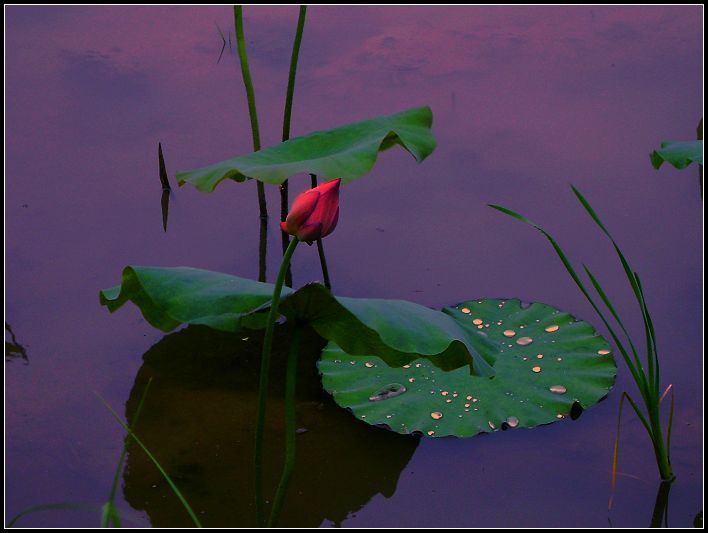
[[314, 213]]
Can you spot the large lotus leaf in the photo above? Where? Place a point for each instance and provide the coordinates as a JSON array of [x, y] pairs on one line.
[[547, 362], [347, 152], [169, 297], [678, 153], [397, 331]]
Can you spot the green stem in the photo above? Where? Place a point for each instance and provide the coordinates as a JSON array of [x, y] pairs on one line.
[[168, 479], [661, 506], [262, 249], [660, 449], [263, 382], [290, 427], [286, 127], [250, 95], [124, 452], [320, 247]]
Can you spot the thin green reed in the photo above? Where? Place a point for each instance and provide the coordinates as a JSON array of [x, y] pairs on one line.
[[286, 127], [110, 513], [154, 460], [250, 95], [648, 380]]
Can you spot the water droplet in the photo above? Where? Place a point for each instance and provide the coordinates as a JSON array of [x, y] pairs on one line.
[[406, 366], [369, 365], [509, 332], [559, 415], [475, 399], [603, 352], [465, 310], [523, 341], [454, 395], [411, 380], [418, 365], [467, 405], [389, 391], [469, 397], [524, 358], [388, 416], [552, 328], [491, 425], [539, 356], [512, 421], [477, 321], [444, 393], [536, 369], [431, 433], [436, 415], [558, 389], [352, 362], [448, 400], [481, 326], [560, 359], [244, 338]]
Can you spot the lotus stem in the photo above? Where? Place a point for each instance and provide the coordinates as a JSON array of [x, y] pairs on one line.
[[253, 114], [320, 247], [263, 382], [286, 126], [290, 426]]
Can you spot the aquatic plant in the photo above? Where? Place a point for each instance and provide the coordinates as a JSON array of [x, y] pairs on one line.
[[680, 154], [489, 364], [646, 374]]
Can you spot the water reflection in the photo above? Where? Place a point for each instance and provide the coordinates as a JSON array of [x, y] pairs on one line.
[[198, 420], [660, 516]]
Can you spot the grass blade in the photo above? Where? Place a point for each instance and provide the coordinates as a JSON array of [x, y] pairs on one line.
[[608, 304], [669, 426], [163, 170], [569, 267], [172, 485], [109, 509], [615, 454], [633, 281]]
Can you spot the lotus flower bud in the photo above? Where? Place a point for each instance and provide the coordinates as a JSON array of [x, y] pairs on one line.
[[314, 212]]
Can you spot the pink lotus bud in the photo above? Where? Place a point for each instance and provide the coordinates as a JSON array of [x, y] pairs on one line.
[[314, 213]]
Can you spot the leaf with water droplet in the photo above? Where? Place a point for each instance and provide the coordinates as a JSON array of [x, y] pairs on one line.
[[527, 390]]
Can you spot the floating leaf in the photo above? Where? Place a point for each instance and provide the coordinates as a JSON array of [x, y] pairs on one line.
[[347, 152], [395, 330], [678, 153], [548, 362]]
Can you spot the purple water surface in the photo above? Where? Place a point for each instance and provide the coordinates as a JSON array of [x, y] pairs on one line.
[[526, 101]]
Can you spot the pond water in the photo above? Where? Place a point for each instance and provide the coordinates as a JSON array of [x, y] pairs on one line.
[[526, 100]]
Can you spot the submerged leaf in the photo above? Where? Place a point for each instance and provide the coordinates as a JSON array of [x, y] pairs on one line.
[[680, 154], [547, 362], [395, 330], [347, 152]]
